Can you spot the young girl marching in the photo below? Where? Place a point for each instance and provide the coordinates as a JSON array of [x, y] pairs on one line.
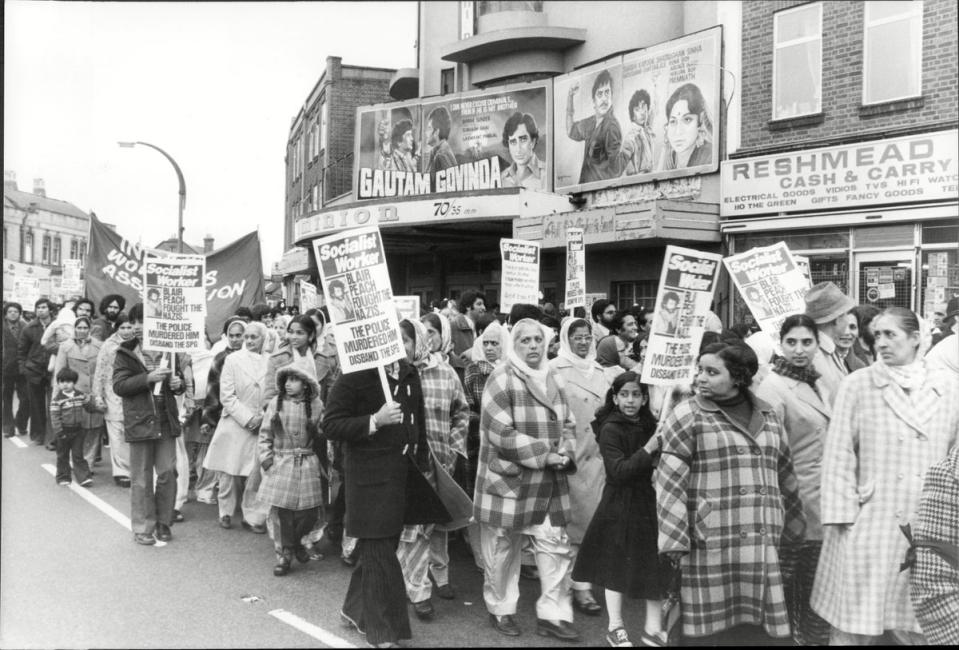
[[291, 469], [619, 548]]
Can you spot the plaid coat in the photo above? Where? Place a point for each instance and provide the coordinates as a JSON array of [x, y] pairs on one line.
[[447, 413], [727, 497], [293, 481], [878, 448], [934, 584], [519, 427]]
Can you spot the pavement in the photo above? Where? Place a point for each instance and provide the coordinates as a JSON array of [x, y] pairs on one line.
[[72, 577]]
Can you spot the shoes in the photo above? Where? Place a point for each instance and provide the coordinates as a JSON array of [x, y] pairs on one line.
[[657, 640], [618, 638], [424, 610], [583, 601], [386, 644], [163, 533], [282, 568], [259, 529], [528, 572], [348, 559], [210, 501], [50, 447], [562, 630], [122, 481], [63, 483], [87, 482], [504, 624], [144, 538], [225, 522], [178, 517], [302, 555], [445, 592], [8, 434]]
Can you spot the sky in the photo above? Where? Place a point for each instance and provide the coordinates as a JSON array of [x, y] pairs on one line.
[[216, 85]]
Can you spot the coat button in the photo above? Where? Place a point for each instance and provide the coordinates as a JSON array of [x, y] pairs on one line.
[[742, 490], [740, 450], [762, 490], [743, 534], [762, 531], [900, 476], [756, 452]]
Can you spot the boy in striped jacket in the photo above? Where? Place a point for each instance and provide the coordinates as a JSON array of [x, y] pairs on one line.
[[66, 416]]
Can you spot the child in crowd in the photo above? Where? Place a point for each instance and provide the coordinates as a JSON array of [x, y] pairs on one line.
[[66, 417], [619, 548], [291, 469]]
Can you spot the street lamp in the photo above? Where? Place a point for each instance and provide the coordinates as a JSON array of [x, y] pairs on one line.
[[179, 176]]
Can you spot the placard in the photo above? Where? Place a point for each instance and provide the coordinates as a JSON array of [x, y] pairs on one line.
[[356, 284], [308, 299], [407, 306], [70, 282], [575, 268], [520, 275], [174, 303], [771, 284], [686, 288], [803, 263], [26, 291]]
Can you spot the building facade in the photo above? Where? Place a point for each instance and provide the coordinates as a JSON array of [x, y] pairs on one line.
[[39, 234], [849, 144]]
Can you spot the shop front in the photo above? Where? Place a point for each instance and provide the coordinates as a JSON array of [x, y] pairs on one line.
[[879, 219]]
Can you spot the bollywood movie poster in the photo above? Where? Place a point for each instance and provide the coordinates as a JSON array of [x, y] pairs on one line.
[[771, 283], [461, 142], [519, 282], [639, 117], [686, 288], [356, 283], [575, 268], [174, 303]]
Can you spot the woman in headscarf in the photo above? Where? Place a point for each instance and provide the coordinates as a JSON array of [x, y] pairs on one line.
[[527, 447], [232, 450], [423, 549], [439, 334], [111, 402], [300, 349], [489, 350], [890, 423], [80, 354], [586, 386]]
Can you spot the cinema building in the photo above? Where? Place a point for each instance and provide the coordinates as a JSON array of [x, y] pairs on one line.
[[848, 146], [584, 115]]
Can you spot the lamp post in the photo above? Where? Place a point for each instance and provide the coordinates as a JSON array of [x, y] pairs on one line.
[[179, 176]]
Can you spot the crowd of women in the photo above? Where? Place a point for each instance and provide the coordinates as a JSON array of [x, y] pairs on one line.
[[761, 504]]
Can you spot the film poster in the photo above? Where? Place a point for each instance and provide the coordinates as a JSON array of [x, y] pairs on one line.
[[686, 289], [575, 268], [520, 274], [771, 283], [174, 303], [356, 284]]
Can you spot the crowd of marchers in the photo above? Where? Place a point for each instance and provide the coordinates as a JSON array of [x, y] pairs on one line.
[[804, 488]]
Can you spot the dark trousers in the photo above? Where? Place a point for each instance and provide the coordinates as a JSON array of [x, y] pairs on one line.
[[376, 598], [293, 525], [15, 384], [149, 506], [335, 513], [70, 443], [38, 397]]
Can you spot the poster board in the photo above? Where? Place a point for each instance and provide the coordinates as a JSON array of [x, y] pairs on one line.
[[575, 269], [308, 296], [174, 303], [520, 276], [771, 283]]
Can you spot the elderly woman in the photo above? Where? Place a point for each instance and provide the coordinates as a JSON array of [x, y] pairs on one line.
[[489, 350], [111, 402], [890, 423], [727, 499], [617, 348], [527, 448], [80, 354], [792, 389], [232, 450], [586, 386]]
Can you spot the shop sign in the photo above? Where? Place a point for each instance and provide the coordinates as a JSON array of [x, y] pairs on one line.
[[295, 260], [597, 227], [898, 170]]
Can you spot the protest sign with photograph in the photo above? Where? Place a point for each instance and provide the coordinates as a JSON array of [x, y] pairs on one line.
[[803, 263], [174, 303], [686, 288], [575, 268], [407, 306], [771, 283], [520, 275], [308, 298], [356, 284]]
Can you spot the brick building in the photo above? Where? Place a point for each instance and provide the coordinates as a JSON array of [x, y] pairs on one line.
[[849, 145]]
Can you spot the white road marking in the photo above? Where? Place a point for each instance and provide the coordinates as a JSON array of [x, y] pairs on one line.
[[17, 442], [318, 633], [95, 501]]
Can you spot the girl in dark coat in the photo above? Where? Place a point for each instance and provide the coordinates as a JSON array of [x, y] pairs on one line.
[[619, 549]]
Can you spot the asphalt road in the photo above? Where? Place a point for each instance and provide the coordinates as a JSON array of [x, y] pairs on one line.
[[72, 577]]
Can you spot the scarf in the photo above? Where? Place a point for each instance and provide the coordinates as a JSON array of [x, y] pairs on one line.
[[536, 375], [258, 363], [493, 332], [909, 377], [446, 341], [807, 375], [583, 365], [422, 359]]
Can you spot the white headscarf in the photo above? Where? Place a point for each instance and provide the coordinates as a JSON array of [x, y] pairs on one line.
[[446, 339], [911, 376], [538, 374], [586, 366], [493, 331]]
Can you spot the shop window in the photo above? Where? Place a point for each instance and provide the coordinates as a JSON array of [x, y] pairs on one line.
[[797, 240], [892, 51], [897, 235], [830, 268], [940, 232], [797, 61], [939, 279], [642, 293]]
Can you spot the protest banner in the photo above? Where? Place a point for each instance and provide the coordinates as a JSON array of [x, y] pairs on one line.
[[70, 283], [407, 306], [308, 298], [771, 283], [174, 304], [234, 273], [575, 268], [686, 288], [520, 275], [356, 284]]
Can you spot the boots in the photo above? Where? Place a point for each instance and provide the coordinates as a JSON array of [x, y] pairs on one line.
[[283, 561]]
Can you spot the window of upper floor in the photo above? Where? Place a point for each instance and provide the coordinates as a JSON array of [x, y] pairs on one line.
[[797, 61], [323, 118], [493, 6], [892, 51], [45, 250], [27, 245], [55, 255]]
